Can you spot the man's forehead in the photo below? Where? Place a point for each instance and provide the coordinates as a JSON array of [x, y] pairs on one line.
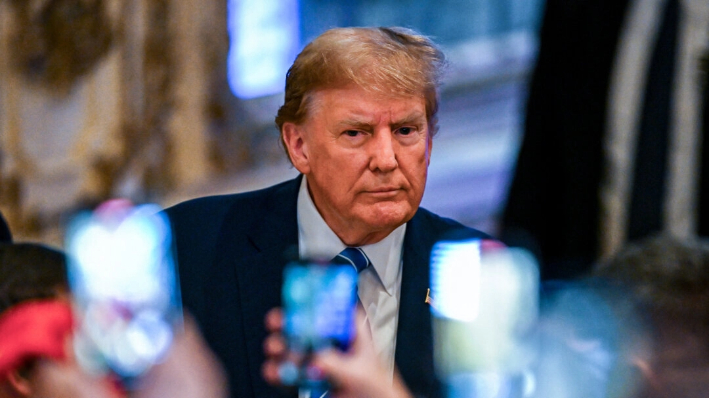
[[359, 104], [395, 117]]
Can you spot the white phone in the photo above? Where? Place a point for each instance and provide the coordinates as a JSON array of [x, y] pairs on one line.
[[484, 302], [124, 287]]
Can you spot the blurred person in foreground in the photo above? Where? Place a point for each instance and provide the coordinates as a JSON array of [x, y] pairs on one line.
[[669, 280], [638, 328], [36, 329], [189, 370], [357, 122], [35, 314], [357, 373]]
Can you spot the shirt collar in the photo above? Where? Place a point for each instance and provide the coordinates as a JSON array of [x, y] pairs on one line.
[[316, 240]]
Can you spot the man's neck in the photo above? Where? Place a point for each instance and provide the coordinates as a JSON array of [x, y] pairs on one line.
[[354, 238]]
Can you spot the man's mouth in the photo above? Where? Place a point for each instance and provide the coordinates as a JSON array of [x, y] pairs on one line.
[[384, 192]]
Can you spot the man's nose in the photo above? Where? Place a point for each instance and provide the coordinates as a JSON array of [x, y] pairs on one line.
[[383, 152]]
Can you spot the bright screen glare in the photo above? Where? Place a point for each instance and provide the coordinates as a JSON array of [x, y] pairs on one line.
[[264, 40]]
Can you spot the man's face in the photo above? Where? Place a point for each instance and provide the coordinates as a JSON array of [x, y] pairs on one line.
[[366, 160]]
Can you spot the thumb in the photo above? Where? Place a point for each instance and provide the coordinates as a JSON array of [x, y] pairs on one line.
[[331, 362]]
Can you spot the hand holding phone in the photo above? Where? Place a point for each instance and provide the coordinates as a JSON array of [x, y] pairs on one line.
[[319, 310]]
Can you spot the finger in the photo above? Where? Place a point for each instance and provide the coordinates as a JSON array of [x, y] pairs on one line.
[[269, 371], [274, 345], [190, 369], [274, 320], [329, 362]]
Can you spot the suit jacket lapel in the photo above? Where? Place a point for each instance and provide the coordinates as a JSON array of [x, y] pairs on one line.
[[414, 342], [273, 234]]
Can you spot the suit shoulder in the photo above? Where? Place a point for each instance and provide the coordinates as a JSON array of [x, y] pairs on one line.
[[443, 227], [198, 223], [206, 209], [204, 205]]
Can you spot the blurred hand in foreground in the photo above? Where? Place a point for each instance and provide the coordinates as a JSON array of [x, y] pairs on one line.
[[357, 373], [190, 370]]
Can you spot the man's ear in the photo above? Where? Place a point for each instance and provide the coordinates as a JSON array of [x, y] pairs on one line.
[[297, 147], [430, 148], [19, 384]]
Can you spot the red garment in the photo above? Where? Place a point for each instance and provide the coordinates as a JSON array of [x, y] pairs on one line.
[[35, 329]]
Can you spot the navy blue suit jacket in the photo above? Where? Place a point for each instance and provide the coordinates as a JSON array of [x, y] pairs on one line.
[[231, 251]]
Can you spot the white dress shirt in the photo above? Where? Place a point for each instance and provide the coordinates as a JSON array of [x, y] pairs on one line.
[[378, 286]]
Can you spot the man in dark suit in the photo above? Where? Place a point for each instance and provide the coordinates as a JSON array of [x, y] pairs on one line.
[[357, 122]]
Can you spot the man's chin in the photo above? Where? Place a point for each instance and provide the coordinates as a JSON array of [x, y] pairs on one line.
[[388, 216]]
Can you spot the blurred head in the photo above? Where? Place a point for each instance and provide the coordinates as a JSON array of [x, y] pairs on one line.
[[31, 274], [664, 273], [30, 271], [668, 278], [358, 119]]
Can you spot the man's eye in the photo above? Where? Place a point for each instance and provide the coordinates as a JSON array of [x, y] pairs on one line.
[[352, 133], [406, 130]]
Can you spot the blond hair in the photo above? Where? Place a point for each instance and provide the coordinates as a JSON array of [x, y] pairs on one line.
[[388, 61]]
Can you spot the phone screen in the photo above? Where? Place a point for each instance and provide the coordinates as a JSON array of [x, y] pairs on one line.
[[319, 308], [124, 287], [484, 306]]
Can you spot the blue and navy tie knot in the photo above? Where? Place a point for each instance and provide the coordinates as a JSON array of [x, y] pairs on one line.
[[355, 257]]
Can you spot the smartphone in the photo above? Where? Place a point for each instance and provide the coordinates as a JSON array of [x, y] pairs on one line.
[[319, 303], [124, 287], [484, 302]]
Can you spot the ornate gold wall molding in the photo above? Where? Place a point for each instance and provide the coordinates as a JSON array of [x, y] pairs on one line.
[[121, 106], [55, 42]]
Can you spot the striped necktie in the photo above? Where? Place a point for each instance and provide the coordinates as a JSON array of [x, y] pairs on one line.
[[355, 257]]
